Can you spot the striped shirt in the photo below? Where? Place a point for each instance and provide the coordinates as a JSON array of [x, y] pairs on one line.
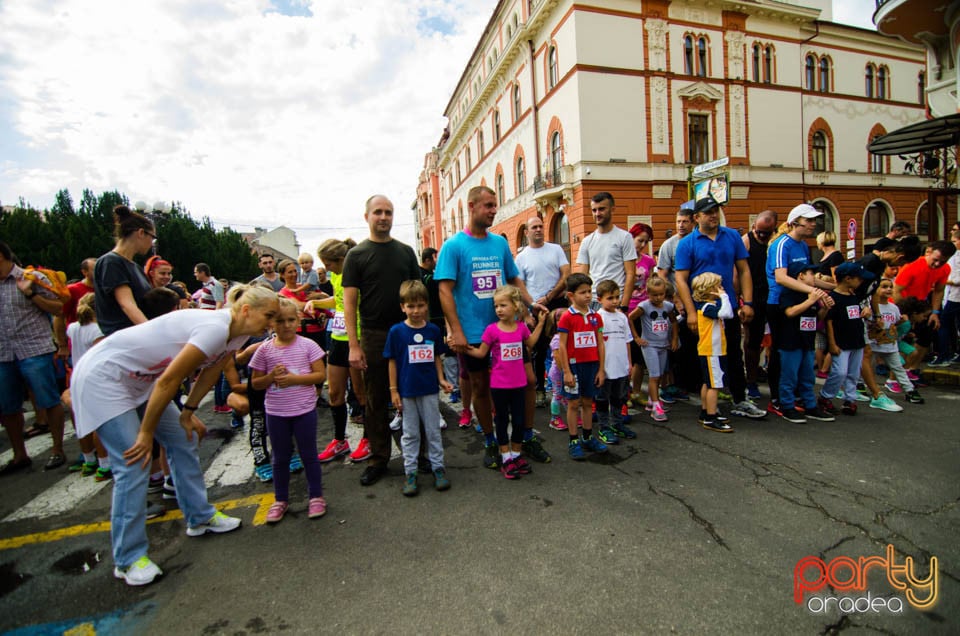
[[210, 294], [298, 357]]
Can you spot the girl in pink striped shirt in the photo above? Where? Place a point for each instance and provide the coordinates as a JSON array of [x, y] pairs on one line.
[[288, 367]]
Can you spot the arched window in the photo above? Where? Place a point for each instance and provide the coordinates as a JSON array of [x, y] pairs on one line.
[[522, 241], [876, 161], [496, 126], [480, 145], [552, 67], [556, 154], [466, 154], [516, 103], [702, 57], [756, 62], [810, 76], [819, 152], [824, 75], [521, 177], [561, 233], [868, 81], [768, 65], [876, 221], [825, 223], [501, 197], [688, 55], [882, 82], [921, 87]]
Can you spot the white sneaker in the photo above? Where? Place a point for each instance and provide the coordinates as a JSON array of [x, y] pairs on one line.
[[142, 572], [219, 523], [748, 409], [397, 422]]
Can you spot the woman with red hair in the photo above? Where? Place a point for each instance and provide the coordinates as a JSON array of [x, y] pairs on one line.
[[160, 274]]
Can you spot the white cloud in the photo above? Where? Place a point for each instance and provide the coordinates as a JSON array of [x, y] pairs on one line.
[[243, 114], [857, 13]]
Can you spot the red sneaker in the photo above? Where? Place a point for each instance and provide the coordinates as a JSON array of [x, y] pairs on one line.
[[333, 450], [465, 417], [363, 451]]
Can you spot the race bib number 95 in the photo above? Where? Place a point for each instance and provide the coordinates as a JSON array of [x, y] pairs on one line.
[[485, 282]]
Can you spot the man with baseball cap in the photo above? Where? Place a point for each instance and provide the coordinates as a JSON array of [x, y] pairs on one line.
[[720, 250], [790, 247]]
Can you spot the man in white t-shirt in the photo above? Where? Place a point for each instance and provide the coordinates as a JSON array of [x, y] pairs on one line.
[[544, 269], [608, 253]]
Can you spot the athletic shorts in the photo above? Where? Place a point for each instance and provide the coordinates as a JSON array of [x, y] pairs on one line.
[[585, 374], [474, 365], [656, 360], [339, 353], [713, 369]]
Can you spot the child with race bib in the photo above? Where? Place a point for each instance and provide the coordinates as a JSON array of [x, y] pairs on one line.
[[288, 367], [504, 340], [416, 376]]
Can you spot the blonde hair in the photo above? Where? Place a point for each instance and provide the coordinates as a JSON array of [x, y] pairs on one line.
[[513, 294], [87, 309], [335, 249], [256, 296], [825, 239], [305, 256], [655, 282], [704, 284]]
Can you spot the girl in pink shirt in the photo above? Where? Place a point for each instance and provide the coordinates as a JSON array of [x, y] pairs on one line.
[[288, 367], [506, 341]]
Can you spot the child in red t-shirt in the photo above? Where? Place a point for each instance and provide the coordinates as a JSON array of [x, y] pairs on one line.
[[581, 357]]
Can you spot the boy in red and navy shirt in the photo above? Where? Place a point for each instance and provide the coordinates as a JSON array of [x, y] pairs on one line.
[[581, 357]]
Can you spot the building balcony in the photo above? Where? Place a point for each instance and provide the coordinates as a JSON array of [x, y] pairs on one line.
[[913, 20], [551, 179]]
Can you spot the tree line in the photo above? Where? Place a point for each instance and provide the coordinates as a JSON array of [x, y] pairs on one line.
[[61, 237]]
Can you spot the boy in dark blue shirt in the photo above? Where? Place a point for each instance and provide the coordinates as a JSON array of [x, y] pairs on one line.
[[416, 375]]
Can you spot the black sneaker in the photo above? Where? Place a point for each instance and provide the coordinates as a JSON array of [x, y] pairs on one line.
[[536, 451], [849, 408], [491, 456], [717, 424], [913, 397], [826, 405], [820, 415], [793, 415], [169, 492]]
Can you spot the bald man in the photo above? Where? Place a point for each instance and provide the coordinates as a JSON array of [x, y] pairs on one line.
[[543, 268], [756, 242]]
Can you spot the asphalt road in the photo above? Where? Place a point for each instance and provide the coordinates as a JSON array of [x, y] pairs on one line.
[[681, 530]]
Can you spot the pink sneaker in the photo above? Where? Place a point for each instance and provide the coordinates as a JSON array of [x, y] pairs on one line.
[[822, 375], [317, 507], [222, 409], [893, 386], [363, 451], [658, 414], [913, 375], [276, 511], [333, 450], [465, 417], [557, 423]]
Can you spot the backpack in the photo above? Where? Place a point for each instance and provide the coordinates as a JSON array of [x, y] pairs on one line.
[[51, 280]]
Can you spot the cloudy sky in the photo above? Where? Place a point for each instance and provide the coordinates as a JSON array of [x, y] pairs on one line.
[[251, 112]]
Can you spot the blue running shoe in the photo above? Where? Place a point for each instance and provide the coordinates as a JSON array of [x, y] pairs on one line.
[[264, 472], [576, 450], [296, 464], [595, 445], [753, 392]]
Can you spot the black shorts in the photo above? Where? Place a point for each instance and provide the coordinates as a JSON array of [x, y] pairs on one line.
[[339, 353], [475, 365]]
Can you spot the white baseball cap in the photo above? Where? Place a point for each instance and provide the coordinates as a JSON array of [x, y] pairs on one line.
[[804, 210]]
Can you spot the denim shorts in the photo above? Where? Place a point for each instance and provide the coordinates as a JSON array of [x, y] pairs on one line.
[[585, 373], [35, 373]]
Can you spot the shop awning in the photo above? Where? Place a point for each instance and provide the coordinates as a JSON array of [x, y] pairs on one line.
[[930, 134]]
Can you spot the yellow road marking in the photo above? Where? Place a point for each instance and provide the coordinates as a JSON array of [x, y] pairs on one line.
[[83, 629], [262, 502]]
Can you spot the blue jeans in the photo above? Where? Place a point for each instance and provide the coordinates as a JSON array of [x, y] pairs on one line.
[[797, 378], [220, 391], [844, 373], [947, 336], [128, 516]]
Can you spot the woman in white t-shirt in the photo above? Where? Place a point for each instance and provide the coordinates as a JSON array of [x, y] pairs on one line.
[[136, 372]]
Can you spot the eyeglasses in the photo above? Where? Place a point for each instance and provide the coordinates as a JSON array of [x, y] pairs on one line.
[[151, 235]]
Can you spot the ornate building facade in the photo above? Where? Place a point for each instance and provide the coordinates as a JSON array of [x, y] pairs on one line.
[[561, 100]]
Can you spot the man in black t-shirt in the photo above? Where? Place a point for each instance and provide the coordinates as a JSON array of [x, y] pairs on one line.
[[897, 231], [372, 273]]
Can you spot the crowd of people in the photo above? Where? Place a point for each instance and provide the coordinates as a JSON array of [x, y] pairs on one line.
[[376, 332]]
